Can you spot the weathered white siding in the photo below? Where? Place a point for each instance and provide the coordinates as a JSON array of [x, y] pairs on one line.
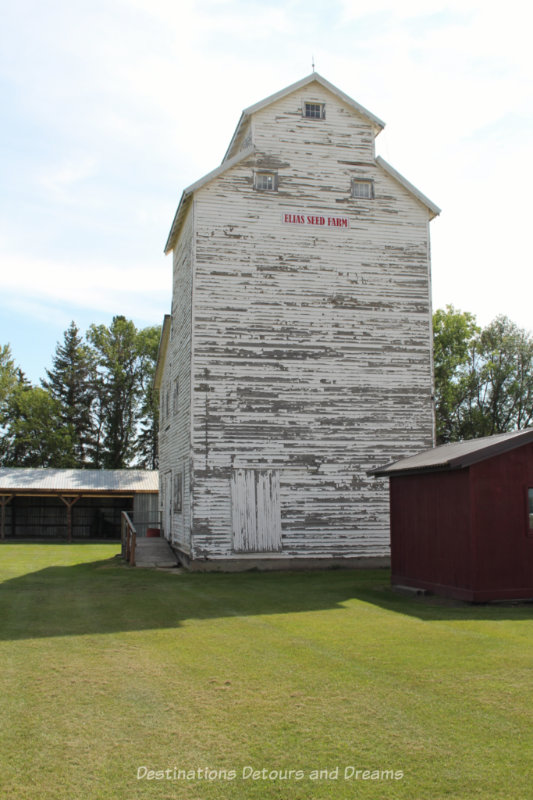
[[175, 456], [312, 345]]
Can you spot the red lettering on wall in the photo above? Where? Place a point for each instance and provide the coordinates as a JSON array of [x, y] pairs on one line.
[[310, 219]]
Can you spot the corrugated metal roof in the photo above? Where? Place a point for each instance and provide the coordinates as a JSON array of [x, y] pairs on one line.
[[458, 454], [25, 479]]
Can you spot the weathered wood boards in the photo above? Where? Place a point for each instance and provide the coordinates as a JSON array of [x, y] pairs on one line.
[[256, 513], [301, 338]]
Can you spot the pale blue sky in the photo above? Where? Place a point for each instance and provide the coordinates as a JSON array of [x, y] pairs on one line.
[[111, 107]]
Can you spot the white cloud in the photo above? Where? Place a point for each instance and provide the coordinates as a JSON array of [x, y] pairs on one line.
[[44, 285], [115, 106]]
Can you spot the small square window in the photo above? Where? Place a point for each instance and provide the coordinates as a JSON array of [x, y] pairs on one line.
[[363, 189], [266, 181], [315, 110]]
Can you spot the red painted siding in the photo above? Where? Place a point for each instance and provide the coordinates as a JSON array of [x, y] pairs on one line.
[[504, 546], [465, 533], [424, 510]]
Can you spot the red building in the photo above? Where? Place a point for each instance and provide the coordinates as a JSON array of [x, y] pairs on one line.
[[462, 518]]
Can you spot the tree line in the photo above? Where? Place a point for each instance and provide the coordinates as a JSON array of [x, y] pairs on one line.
[[95, 408], [483, 376]]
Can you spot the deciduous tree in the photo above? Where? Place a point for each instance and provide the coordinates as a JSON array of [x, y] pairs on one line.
[[483, 378], [454, 337], [35, 434]]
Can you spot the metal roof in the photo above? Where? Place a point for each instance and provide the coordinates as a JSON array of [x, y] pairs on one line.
[[25, 479], [457, 455]]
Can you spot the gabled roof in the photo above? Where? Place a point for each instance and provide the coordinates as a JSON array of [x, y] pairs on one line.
[[456, 455], [314, 77], [434, 210], [27, 480], [228, 163], [189, 191]]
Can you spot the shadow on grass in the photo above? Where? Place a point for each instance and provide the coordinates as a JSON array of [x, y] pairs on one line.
[[433, 607], [107, 596]]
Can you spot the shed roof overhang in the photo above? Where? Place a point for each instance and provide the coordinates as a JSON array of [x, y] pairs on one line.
[[48, 480], [455, 455], [69, 493]]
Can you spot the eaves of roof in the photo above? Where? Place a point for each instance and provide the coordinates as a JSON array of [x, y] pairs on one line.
[[49, 480], [162, 352], [190, 190], [456, 455], [227, 163], [434, 210]]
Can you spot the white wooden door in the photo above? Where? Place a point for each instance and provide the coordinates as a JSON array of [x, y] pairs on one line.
[[256, 511]]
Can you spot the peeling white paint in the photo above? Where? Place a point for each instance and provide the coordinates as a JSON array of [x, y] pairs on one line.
[[303, 354]]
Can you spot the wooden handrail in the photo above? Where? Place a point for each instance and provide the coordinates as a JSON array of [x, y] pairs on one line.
[[128, 538]]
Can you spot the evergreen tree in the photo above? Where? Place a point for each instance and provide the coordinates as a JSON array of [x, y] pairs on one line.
[[95, 408], [147, 440], [117, 370], [70, 383], [8, 378]]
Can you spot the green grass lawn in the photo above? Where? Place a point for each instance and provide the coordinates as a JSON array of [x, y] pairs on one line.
[[106, 670]]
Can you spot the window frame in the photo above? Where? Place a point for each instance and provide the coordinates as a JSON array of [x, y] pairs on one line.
[[266, 173], [362, 182], [314, 103]]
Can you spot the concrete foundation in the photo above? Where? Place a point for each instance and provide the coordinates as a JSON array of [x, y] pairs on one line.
[[268, 564]]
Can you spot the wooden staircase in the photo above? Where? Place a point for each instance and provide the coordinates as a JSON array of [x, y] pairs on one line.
[[154, 552]]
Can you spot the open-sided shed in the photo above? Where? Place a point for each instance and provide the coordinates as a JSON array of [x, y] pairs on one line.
[[75, 503], [462, 518]]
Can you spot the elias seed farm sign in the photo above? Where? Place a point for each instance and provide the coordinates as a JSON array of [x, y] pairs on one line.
[[309, 219]]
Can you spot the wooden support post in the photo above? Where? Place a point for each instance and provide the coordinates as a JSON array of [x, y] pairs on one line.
[[69, 502], [133, 546], [4, 500]]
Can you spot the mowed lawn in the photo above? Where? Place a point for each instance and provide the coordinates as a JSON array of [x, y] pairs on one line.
[[108, 672]]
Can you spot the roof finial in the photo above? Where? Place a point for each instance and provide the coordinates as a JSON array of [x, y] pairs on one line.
[[313, 62]]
